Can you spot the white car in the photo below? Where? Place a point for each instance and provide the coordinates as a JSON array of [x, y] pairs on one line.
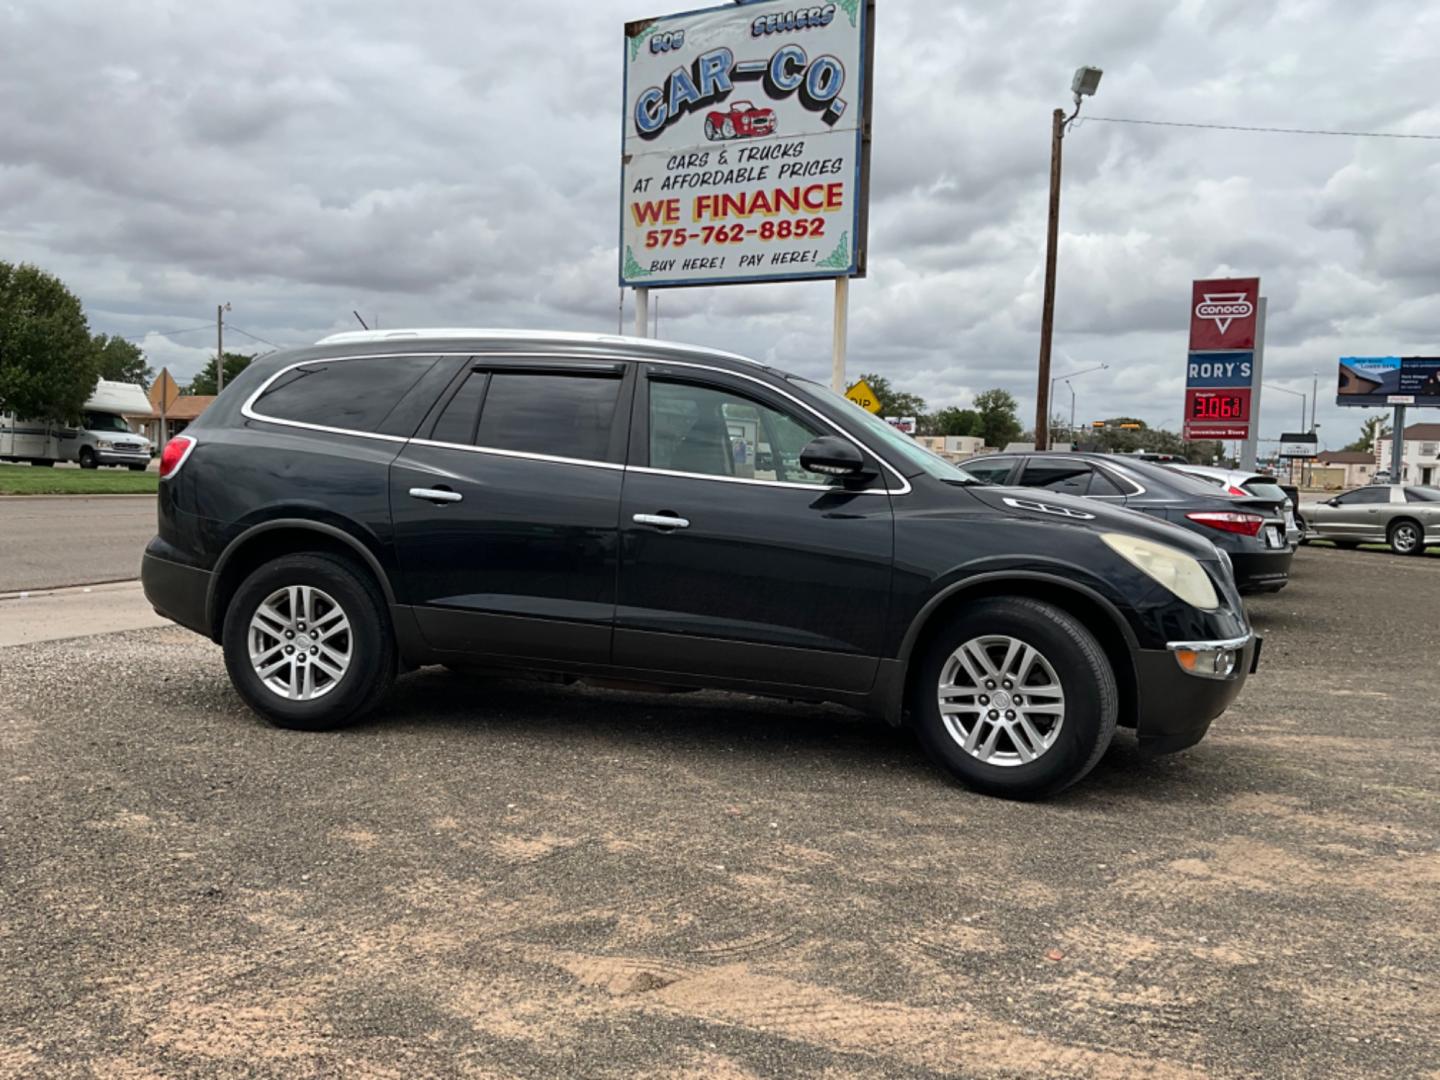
[[1245, 484]]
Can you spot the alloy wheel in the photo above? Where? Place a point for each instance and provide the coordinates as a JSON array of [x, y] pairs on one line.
[[1405, 538], [1001, 700], [300, 643]]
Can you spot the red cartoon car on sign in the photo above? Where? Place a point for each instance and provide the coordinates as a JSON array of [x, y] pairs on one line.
[[743, 121]]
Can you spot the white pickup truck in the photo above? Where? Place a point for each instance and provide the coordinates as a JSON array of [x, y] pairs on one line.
[[103, 437]]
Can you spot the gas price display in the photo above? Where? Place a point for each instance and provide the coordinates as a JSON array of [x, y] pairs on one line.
[[1218, 405]]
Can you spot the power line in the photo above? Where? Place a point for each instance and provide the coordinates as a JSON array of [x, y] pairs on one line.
[[169, 333], [257, 337], [1267, 130]]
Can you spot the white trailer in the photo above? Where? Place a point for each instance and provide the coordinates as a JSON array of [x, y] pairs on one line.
[[104, 436]]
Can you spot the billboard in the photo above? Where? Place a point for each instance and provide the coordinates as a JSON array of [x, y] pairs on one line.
[[745, 153], [1370, 381], [1223, 313]]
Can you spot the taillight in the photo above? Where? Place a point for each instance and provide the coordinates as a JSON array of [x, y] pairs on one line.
[[1225, 521], [1231, 489], [174, 455]]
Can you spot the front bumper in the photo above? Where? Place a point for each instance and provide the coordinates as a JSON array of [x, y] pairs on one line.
[[1176, 707], [1262, 571], [178, 592], [121, 457]]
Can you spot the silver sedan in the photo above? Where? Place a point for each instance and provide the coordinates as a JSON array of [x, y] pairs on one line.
[[1405, 516]]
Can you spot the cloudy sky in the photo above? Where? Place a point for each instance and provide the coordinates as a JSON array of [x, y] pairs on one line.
[[457, 164]]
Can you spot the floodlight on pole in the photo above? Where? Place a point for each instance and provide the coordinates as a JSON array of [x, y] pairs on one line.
[[1083, 85]]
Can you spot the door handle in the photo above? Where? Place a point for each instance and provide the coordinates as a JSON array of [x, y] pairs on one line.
[[662, 521], [436, 495]]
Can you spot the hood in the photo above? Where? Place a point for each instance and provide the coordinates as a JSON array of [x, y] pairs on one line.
[[1092, 514]]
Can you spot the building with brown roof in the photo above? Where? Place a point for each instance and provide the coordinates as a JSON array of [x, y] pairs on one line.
[[174, 411], [1421, 455]]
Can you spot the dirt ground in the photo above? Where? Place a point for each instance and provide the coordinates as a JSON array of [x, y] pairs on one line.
[[509, 879]]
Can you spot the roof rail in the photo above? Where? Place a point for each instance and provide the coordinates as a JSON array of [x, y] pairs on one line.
[[356, 337]]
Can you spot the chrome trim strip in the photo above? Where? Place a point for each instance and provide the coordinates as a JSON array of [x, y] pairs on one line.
[[527, 455], [819, 489], [1117, 470], [1210, 646]]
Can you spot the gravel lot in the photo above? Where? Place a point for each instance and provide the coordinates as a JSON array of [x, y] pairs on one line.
[[509, 879]]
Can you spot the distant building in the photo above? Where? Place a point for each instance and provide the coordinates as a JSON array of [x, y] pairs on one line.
[[1422, 454], [954, 447], [1342, 469], [172, 411]]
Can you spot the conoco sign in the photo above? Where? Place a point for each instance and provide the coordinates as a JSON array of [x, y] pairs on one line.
[[1222, 313]]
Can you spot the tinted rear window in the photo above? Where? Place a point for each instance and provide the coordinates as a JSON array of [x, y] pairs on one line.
[[560, 415], [1422, 494], [355, 395], [1265, 489]]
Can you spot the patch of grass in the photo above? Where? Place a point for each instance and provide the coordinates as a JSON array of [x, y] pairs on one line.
[[30, 480]]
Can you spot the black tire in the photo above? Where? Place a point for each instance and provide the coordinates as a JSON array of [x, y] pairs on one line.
[[1406, 538], [1346, 545], [87, 458], [1091, 705], [372, 642], [42, 463], [138, 468]]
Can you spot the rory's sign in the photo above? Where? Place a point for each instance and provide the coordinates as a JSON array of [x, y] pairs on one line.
[[744, 155]]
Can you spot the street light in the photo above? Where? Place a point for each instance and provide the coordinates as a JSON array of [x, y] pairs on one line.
[[1049, 443], [1085, 83], [1303, 400]]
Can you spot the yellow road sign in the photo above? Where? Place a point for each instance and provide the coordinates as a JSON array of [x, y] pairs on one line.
[[862, 395]]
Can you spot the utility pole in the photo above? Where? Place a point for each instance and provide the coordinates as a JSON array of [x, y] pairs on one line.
[[220, 310], [1314, 397], [1085, 83], [1047, 312]]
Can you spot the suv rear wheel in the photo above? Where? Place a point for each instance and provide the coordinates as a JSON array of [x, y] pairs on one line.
[[308, 642], [1016, 698]]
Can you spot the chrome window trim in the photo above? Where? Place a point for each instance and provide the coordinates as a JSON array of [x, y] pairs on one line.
[[248, 411], [528, 455]]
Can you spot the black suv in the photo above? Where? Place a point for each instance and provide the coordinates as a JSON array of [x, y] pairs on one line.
[[678, 517]]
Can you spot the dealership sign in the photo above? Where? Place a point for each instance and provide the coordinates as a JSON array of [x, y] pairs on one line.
[[744, 155], [1371, 381]]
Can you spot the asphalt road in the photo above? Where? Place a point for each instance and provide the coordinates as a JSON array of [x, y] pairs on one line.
[[510, 879], [72, 539]]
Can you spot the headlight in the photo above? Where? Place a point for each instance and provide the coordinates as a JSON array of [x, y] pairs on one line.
[[1178, 572], [103, 444]]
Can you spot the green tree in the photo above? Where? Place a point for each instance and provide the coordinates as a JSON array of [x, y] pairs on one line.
[[48, 364], [1372, 430], [204, 383], [999, 423], [953, 421], [123, 361], [894, 402]]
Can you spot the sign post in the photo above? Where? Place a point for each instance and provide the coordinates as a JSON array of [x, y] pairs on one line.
[[745, 151]]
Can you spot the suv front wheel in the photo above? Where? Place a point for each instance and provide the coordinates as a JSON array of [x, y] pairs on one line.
[[308, 642], [1016, 698]]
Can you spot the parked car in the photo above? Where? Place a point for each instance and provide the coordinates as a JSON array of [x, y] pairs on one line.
[[1244, 484], [1405, 516], [576, 504], [1249, 530], [743, 120]]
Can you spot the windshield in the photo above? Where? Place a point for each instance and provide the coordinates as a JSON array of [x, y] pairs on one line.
[[95, 421], [898, 443], [1265, 489]]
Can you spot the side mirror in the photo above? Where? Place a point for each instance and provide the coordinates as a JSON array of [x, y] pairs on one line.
[[830, 455]]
